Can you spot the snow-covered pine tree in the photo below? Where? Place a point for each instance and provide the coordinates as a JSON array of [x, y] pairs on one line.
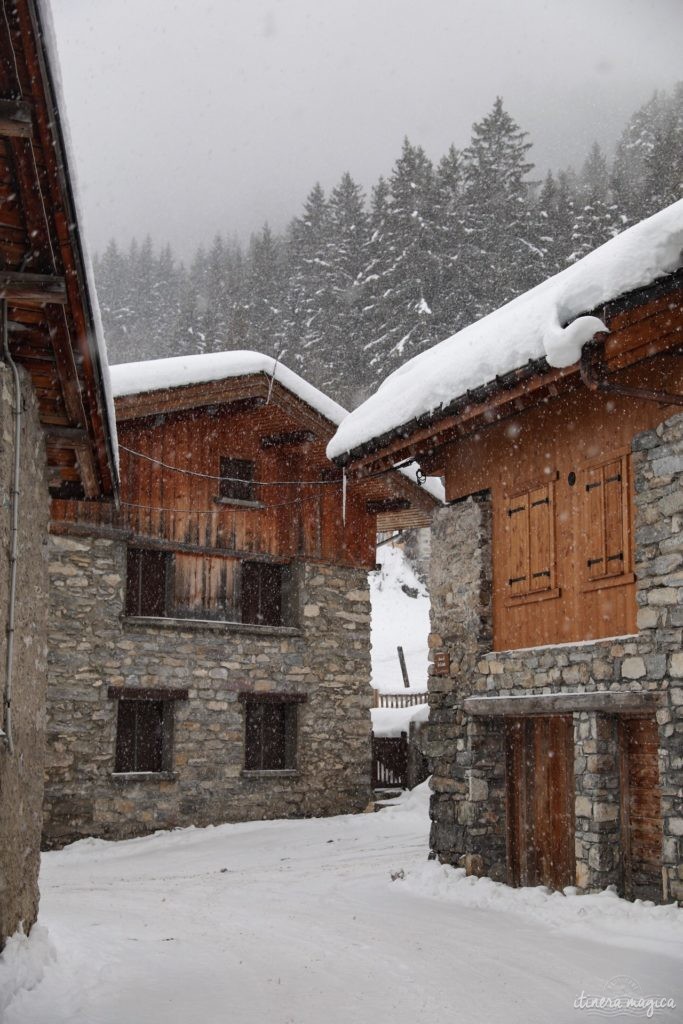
[[306, 254], [340, 355], [597, 216], [664, 159], [405, 270], [555, 217], [265, 291], [452, 301], [499, 253]]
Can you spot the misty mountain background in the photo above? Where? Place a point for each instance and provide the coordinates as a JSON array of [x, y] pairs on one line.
[[357, 285]]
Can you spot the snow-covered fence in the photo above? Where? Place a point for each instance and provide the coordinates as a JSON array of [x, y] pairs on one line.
[[400, 700]]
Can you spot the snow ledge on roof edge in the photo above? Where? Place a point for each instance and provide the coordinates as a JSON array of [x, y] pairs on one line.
[[540, 323]]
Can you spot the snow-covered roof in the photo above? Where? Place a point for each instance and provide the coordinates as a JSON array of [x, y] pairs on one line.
[[181, 371], [541, 323], [49, 43]]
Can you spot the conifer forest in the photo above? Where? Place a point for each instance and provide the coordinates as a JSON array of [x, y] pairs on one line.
[[358, 284]]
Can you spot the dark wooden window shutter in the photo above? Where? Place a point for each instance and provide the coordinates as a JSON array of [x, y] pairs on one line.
[[140, 736], [237, 479], [262, 593], [270, 735], [146, 582]]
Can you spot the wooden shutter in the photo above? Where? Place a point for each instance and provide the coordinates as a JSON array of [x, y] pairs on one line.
[[270, 735], [541, 539], [518, 540], [614, 479], [530, 534], [262, 593], [594, 523], [146, 582], [606, 518], [140, 736]]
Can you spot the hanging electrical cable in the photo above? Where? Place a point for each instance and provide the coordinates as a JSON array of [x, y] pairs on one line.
[[257, 483]]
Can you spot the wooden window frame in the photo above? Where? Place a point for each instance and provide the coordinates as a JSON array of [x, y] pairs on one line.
[[523, 494], [278, 711], [627, 575], [241, 491]]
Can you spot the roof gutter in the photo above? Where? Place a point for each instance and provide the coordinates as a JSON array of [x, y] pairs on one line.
[[594, 375]]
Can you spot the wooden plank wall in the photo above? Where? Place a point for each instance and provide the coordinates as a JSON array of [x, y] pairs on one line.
[[563, 435], [179, 511]]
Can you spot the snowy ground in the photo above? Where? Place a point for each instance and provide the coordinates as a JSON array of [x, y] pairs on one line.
[[398, 618], [300, 923]]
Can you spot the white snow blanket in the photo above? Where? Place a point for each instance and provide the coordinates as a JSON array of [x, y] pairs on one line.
[[300, 922], [541, 323]]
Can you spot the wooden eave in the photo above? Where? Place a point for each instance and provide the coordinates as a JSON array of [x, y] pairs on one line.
[[227, 391], [655, 312], [51, 322]]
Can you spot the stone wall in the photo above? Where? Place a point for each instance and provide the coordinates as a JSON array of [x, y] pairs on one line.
[[468, 807], [21, 772], [92, 647]]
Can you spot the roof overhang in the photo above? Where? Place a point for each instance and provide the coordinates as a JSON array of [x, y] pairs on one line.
[[53, 326], [425, 437]]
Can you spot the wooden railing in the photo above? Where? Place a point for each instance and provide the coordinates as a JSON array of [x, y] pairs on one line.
[[399, 700], [390, 761]]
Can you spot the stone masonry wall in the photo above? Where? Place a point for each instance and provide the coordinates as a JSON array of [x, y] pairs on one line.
[[21, 773], [92, 647], [467, 806]]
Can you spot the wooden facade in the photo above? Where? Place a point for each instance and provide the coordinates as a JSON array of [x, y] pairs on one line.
[[197, 535], [555, 456]]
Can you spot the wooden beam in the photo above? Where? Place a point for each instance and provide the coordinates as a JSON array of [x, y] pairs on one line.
[[32, 289], [607, 701], [88, 470], [287, 438], [148, 693], [15, 119], [379, 505], [66, 437]]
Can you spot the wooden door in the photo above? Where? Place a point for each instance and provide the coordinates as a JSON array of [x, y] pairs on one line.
[[540, 801], [641, 815]]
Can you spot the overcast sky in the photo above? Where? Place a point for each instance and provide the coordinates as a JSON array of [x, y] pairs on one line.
[[190, 117]]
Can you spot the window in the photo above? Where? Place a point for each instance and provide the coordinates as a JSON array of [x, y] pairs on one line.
[[146, 582], [181, 585], [144, 728], [530, 534], [237, 480], [270, 737], [262, 593], [606, 519]]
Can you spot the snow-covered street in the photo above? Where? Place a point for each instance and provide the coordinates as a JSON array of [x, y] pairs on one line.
[[300, 922]]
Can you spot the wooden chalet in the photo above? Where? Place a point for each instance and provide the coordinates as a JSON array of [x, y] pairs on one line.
[[237, 555], [556, 686], [56, 418]]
